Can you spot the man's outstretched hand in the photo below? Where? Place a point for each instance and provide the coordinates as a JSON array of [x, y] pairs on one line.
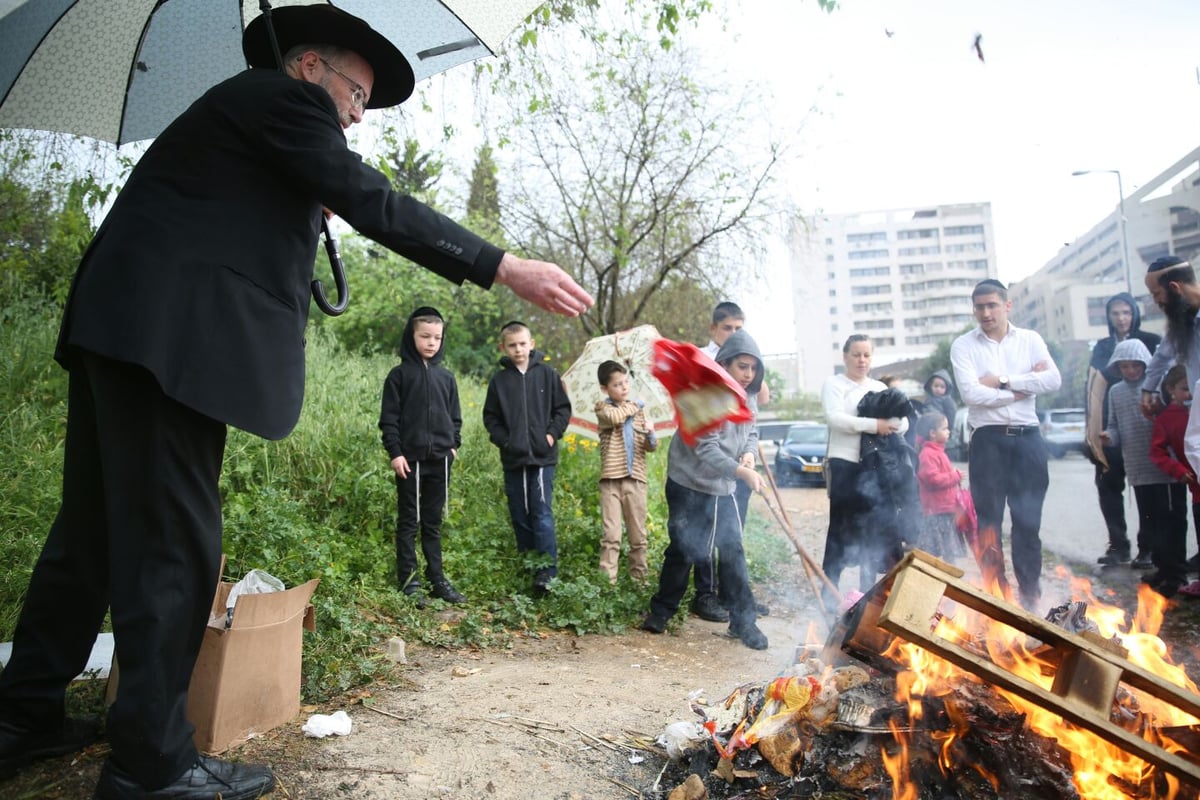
[[544, 284]]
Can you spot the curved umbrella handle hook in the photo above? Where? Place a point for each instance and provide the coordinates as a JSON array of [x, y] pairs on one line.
[[331, 248], [339, 278]]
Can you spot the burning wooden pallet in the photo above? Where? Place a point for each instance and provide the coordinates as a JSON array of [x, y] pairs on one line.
[[1087, 669]]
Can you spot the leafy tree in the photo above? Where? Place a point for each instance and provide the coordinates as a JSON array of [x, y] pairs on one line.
[[636, 173], [44, 217], [388, 288], [667, 15], [484, 200], [411, 171]]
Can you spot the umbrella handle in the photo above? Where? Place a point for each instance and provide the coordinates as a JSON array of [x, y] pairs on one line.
[[339, 278], [331, 248]]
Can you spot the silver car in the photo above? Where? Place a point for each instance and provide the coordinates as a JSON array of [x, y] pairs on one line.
[[1064, 430]]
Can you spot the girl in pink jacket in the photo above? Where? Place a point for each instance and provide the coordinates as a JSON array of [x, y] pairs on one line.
[[938, 482]]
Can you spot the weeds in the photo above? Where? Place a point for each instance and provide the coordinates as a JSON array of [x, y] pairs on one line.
[[321, 504]]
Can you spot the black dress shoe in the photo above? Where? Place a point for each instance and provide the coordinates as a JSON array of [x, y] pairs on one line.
[[443, 590], [20, 746], [207, 779], [707, 607]]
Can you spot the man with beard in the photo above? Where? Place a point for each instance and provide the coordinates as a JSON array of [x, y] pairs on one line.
[[1124, 322], [1172, 283]]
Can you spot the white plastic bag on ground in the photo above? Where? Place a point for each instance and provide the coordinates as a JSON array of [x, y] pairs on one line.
[[321, 725]]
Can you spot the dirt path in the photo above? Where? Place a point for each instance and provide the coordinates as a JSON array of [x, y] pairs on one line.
[[530, 723]]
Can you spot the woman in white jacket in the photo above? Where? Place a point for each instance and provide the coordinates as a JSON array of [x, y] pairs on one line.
[[840, 395]]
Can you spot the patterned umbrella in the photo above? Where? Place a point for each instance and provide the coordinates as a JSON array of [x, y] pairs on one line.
[[121, 70], [635, 349]]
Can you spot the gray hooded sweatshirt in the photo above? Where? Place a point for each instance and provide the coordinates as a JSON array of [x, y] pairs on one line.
[[1128, 428], [711, 465]]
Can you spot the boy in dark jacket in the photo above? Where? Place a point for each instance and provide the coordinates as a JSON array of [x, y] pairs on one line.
[[526, 412], [422, 431]]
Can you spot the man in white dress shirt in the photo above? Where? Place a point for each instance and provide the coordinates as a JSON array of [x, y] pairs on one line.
[[1000, 370]]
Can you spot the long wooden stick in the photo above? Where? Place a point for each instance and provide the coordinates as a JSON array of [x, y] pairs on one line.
[[812, 568]]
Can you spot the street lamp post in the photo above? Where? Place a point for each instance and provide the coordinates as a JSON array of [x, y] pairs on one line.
[[1121, 210]]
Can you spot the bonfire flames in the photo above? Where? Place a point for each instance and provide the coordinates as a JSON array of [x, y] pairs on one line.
[[908, 724]]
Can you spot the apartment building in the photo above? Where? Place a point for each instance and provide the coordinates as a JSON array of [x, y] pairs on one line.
[[902, 276], [1065, 299]]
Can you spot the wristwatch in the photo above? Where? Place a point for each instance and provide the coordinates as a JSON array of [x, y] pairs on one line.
[[1003, 381]]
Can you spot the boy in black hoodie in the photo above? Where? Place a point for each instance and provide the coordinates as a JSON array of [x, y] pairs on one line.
[[422, 431], [526, 412]]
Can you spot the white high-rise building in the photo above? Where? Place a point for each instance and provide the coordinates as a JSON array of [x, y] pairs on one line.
[[901, 276]]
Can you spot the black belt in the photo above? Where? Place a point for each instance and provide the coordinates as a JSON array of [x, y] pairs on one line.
[[1011, 430]]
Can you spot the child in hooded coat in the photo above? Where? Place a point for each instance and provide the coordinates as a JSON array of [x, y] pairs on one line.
[[1161, 500]]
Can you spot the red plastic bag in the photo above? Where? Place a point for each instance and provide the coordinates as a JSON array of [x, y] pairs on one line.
[[965, 519], [704, 394]]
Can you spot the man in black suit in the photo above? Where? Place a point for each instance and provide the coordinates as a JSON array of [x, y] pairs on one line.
[[187, 315]]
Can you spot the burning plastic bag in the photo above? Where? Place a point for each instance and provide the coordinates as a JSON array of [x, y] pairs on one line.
[[680, 738], [704, 395]]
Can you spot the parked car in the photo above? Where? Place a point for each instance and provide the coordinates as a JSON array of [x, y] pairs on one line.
[[800, 456], [770, 433], [1064, 430]]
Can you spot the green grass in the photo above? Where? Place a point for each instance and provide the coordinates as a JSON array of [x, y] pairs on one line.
[[321, 504]]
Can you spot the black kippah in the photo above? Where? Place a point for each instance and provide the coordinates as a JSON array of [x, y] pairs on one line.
[[1166, 262]]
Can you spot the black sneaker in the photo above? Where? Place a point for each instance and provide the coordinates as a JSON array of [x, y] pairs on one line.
[[653, 623], [706, 606], [20, 746], [750, 635], [1114, 557], [1143, 561], [206, 778], [442, 590]]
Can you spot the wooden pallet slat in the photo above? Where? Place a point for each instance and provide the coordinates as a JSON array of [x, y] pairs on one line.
[[1087, 673]]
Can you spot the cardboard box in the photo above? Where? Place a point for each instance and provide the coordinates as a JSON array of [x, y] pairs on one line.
[[247, 676]]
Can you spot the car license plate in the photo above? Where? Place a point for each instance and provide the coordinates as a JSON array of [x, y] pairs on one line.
[[812, 467], [1073, 428]]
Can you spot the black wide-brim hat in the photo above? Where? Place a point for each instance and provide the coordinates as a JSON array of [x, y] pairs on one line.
[[324, 24]]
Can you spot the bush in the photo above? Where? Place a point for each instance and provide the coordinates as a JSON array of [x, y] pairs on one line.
[[321, 504]]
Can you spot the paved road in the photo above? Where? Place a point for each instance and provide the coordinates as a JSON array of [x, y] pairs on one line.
[[1072, 526]]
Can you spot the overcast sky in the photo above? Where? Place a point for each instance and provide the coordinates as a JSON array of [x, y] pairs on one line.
[[915, 118]]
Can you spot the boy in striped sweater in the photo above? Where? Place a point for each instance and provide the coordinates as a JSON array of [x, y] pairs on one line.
[[625, 436]]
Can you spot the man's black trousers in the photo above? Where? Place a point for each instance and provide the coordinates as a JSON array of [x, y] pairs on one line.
[[139, 530]]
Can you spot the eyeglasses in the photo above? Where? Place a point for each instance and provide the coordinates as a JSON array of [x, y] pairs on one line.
[[358, 95]]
